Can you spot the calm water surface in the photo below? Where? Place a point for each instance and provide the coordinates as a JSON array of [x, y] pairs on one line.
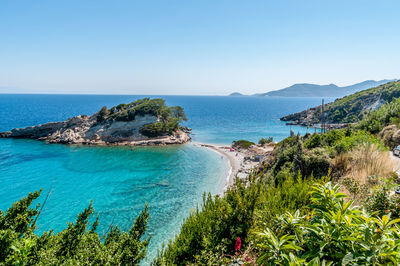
[[120, 180]]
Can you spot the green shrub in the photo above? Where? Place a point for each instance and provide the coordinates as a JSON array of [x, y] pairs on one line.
[[214, 228], [268, 140], [376, 120], [382, 200], [244, 144], [102, 114], [333, 232], [160, 128], [288, 196], [78, 244]]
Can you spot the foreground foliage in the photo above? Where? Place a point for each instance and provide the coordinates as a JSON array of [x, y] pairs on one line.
[[208, 235], [334, 232], [77, 244]]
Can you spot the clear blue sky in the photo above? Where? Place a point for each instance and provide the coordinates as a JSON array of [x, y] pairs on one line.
[[194, 47]]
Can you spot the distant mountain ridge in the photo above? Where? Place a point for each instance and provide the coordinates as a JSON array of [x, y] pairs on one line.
[[236, 94], [330, 90]]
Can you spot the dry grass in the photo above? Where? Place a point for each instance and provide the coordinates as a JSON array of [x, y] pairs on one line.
[[368, 160], [356, 166]]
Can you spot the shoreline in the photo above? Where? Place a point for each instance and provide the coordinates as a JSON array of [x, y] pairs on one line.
[[233, 164], [177, 138], [239, 162]]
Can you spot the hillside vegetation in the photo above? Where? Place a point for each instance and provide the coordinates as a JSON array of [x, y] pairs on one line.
[[319, 199], [351, 108]]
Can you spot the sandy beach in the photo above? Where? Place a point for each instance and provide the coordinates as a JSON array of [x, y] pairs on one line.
[[239, 161]]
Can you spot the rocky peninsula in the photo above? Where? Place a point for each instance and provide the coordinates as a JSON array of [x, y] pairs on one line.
[[142, 122]]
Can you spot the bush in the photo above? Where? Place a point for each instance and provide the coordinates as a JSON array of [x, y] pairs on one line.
[[244, 144], [215, 228], [333, 232], [390, 136], [288, 196], [102, 114], [78, 244], [263, 141], [160, 128], [376, 120], [382, 200]]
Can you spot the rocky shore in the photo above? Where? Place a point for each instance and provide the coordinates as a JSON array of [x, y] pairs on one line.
[[307, 118], [96, 130]]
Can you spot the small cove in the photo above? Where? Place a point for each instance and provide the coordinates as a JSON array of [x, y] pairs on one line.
[[120, 180]]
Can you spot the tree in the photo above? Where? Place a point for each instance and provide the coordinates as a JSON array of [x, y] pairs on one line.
[[77, 244]]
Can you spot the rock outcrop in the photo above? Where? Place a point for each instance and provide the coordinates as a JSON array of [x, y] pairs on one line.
[[93, 130]]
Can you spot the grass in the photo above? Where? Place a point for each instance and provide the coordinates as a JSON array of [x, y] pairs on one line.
[[368, 160]]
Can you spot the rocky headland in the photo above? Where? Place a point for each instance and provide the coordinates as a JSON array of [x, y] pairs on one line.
[[143, 122], [349, 109]]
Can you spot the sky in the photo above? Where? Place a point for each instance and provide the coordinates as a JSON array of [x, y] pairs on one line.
[[204, 47]]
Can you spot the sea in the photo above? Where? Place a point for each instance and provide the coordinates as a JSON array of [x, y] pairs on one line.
[[121, 180]]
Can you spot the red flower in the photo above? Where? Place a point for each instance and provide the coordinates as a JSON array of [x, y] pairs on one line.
[[238, 244]]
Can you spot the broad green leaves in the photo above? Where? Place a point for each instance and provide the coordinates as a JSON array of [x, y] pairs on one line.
[[337, 233]]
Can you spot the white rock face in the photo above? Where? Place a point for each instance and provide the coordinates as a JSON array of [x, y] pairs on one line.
[[121, 130], [86, 130]]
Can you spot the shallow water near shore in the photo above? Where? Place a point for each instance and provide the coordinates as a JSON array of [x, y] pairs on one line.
[[120, 180]]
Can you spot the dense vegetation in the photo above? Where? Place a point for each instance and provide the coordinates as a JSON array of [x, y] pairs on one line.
[[78, 244], [280, 222], [319, 199], [169, 117], [352, 108], [376, 120], [333, 232]]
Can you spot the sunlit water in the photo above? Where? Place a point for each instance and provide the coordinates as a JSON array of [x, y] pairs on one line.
[[120, 180]]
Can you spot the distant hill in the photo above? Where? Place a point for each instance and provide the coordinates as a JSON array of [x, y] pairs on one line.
[[348, 109], [331, 90], [236, 94]]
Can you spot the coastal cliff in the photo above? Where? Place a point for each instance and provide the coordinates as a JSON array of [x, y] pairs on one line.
[[349, 109], [143, 122]]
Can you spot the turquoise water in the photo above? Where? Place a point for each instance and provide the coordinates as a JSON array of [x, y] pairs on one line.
[[120, 180]]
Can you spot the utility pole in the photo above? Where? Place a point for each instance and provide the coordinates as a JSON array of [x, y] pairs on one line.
[[323, 117]]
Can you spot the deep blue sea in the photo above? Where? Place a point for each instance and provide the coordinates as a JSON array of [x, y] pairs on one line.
[[121, 180]]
